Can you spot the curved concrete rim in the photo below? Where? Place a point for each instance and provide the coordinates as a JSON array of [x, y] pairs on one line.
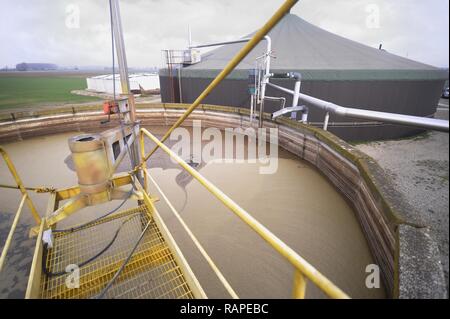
[[399, 241]]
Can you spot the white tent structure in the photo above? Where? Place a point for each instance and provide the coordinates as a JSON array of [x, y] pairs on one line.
[[104, 83]]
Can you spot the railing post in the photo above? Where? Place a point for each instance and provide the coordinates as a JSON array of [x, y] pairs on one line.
[[299, 289], [11, 232], [143, 161]]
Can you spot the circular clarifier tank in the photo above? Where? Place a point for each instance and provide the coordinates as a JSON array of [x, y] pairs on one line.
[[296, 202]]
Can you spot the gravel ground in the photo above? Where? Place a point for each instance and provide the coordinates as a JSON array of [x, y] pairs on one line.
[[419, 167]]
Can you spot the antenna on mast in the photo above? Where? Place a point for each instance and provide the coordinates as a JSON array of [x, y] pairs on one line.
[[189, 37]]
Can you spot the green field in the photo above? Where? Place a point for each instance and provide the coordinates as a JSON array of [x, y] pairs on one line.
[[33, 89]]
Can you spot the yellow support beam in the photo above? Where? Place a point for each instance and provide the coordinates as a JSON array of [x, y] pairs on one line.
[[279, 14], [11, 232], [117, 181], [34, 280]]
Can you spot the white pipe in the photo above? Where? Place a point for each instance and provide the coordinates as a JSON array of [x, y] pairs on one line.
[[295, 98], [268, 50], [392, 118], [251, 107], [180, 89], [265, 78], [305, 115], [325, 122], [258, 87], [281, 88]]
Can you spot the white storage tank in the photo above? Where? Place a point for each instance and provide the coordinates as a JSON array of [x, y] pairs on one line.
[[138, 81]]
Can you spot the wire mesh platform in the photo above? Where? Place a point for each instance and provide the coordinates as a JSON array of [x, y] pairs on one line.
[[152, 272]]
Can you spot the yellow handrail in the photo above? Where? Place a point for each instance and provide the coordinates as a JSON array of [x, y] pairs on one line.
[[303, 268], [11, 232], [20, 185], [279, 14], [205, 255]]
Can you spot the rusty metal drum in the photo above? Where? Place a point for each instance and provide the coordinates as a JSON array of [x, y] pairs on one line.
[[91, 163]]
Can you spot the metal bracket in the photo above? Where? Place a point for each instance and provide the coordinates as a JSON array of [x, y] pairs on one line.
[[287, 110]]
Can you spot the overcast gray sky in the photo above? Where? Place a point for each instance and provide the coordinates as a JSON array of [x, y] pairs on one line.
[[48, 30]]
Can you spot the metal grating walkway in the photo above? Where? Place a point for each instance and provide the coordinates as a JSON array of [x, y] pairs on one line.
[[152, 272]]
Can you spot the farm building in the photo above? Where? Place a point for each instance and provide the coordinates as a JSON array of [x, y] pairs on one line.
[[138, 82], [333, 68]]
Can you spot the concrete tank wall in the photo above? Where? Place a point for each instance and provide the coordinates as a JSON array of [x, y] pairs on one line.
[[399, 242], [412, 97]]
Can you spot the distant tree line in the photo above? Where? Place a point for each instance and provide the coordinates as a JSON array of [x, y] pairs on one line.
[[36, 67]]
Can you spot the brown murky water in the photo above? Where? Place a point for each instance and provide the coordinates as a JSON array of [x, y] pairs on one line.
[[296, 203]]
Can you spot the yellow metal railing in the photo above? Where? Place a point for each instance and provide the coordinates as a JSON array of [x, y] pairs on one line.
[[11, 233], [25, 198], [304, 270], [20, 185]]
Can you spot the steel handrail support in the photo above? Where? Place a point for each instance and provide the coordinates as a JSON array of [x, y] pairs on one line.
[[11, 232], [194, 239], [20, 185], [303, 268], [250, 45]]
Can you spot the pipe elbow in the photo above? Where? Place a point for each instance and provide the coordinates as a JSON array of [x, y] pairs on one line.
[[339, 110], [296, 75]]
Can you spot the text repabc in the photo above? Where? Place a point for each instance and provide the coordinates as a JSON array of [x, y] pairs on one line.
[[246, 308]]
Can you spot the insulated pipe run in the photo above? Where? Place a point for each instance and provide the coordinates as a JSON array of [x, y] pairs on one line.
[[391, 118]]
